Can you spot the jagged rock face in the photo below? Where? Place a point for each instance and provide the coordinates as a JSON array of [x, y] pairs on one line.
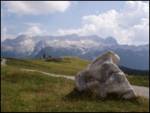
[[103, 76]]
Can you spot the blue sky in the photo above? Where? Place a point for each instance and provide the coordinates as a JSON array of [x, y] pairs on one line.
[[102, 18]]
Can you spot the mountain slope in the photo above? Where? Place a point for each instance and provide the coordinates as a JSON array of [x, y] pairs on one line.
[[87, 47]]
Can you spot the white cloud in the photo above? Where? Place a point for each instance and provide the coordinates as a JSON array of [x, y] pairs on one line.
[[26, 46], [128, 26], [32, 24], [34, 29], [36, 7], [5, 35]]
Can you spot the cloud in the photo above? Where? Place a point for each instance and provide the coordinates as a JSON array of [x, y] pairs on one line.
[[26, 46], [129, 25], [5, 35], [34, 29], [32, 24], [36, 7]]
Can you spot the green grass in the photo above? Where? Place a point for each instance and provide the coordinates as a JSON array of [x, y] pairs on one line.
[[69, 66], [142, 80], [31, 91]]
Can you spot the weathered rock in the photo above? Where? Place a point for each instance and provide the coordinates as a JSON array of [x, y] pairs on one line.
[[103, 76]]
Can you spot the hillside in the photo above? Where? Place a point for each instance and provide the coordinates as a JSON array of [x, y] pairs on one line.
[[71, 66], [32, 91]]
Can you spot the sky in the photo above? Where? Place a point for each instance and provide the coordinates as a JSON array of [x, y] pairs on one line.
[[126, 21]]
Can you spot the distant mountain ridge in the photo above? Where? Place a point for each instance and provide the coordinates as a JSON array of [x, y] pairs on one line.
[[130, 71], [87, 47]]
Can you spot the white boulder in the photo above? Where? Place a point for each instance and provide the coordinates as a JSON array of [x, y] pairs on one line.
[[103, 76]]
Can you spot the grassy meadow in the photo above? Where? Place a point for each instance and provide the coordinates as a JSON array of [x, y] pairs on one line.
[[32, 91]]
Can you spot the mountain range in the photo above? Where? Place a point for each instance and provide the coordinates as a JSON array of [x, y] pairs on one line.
[[87, 47]]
